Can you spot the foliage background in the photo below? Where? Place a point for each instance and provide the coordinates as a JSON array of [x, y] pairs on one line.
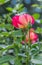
[[9, 35]]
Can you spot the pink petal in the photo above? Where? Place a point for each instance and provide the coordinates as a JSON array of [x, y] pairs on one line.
[[15, 21]]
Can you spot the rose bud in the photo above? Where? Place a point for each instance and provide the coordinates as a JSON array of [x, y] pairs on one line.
[[32, 36]]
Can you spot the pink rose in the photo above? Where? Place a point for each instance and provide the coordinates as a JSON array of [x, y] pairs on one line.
[[21, 21]]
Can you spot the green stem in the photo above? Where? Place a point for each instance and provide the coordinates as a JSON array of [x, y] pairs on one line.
[[26, 53], [27, 50], [29, 45], [24, 33]]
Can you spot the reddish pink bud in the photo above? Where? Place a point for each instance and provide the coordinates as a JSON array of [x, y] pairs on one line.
[[21, 21], [33, 36]]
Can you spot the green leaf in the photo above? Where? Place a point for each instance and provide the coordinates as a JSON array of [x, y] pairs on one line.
[[35, 5], [37, 59], [40, 46], [17, 33], [2, 25], [41, 21], [22, 55], [9, 27], [6, 58], [5, 64], [38, 30], [36, 16], [9, 9], [4, 34], [3, 1]]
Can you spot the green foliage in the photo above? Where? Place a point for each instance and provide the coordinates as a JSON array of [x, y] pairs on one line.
[[3, 1], [35, 5], [41, 21], [5, 64], [37, 59], [38, 30], [9, 9], [17, 8], [5, 58], [36, 16]]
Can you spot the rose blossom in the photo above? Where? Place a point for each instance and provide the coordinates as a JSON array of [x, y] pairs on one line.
[[21, 21]]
